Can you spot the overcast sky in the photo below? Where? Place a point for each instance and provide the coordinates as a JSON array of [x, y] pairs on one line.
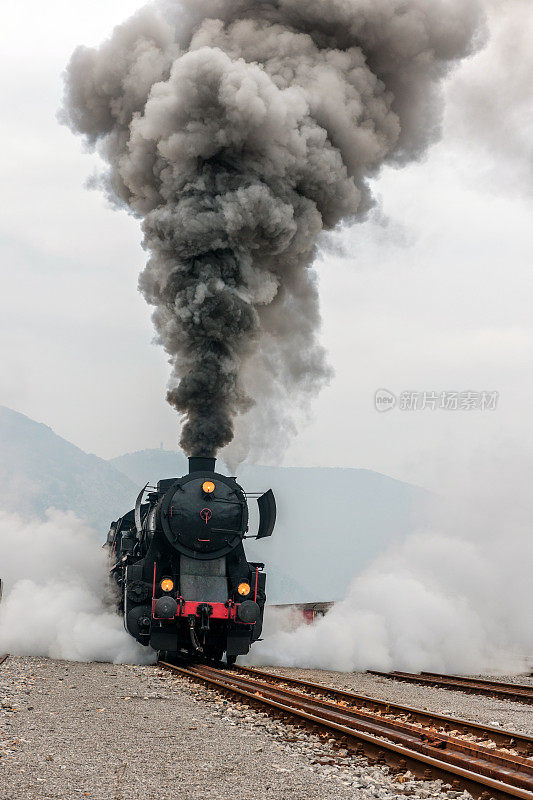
[[436, 294]]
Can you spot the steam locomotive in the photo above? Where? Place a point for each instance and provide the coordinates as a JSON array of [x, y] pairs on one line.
[[186, 586]]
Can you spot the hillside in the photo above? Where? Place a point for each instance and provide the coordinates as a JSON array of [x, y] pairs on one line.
[[332, 522], [150, 465], [39, 469]]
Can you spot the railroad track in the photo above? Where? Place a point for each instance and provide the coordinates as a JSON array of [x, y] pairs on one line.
[[441, 723], [401, 737], [504, 691]]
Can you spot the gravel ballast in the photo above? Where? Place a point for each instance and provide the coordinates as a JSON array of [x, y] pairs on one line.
[[476, 708], [110, 732]]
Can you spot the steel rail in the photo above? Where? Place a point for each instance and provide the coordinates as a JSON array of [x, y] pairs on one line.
[[394, 743], [481, 681], [445, 724], [4, 658], [518, 693], [404, 732]]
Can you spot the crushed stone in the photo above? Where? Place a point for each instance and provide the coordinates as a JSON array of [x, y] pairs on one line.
[[512, 716], [108, 732]]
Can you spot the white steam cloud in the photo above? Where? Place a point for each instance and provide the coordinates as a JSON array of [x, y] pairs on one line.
[[57, 601], [456, 597], [490, 100]]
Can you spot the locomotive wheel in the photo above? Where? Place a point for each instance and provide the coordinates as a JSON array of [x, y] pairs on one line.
[[230, 660], [169, 656], [216, 655]]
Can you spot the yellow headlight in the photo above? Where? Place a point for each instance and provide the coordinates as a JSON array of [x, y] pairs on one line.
[[208, 487], [167, 584], [243, 589]]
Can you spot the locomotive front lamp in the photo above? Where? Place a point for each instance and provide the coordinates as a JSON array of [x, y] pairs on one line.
[[243, 589], [167, 584], [208, 487]]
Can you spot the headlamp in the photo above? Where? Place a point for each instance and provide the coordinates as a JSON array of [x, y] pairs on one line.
[[243, 589], [208, 487], [167, 584]]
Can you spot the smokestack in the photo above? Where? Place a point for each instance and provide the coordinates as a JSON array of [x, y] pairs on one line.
[[201, 464]]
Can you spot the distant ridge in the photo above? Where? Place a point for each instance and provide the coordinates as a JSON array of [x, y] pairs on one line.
[[39, 469], [151, 465]]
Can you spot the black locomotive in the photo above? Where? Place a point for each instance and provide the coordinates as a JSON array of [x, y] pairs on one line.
[[186, 586]]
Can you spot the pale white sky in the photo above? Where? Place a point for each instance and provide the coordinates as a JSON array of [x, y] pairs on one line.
[[439, 299]]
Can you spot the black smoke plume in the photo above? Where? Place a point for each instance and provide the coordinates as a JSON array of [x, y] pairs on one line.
[[238, 130]]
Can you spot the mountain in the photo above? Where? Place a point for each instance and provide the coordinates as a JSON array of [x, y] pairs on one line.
[[151, 465], [332, 522], [39, 469]]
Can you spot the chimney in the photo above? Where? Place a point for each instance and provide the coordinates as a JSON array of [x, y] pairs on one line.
[[201, 464]]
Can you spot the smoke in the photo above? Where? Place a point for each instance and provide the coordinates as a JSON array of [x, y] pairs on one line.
[[238, 130], [453, 597], [55, 585], [490, 99]]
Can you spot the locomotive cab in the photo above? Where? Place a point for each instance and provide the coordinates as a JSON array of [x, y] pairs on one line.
[[186, 584]]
